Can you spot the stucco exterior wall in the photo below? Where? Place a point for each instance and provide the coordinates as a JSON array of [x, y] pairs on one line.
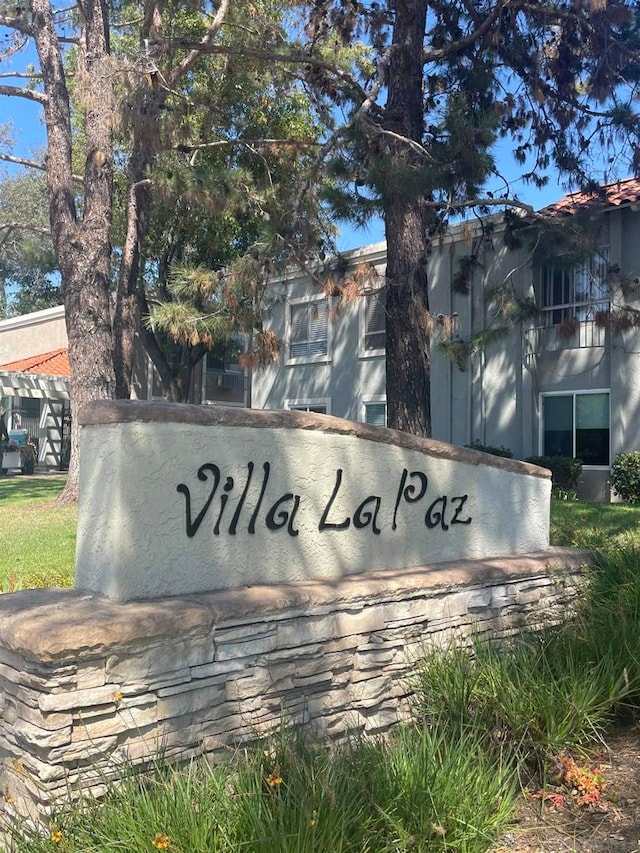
[[346, 376], [178, 499], [495, 397], [32, 334]]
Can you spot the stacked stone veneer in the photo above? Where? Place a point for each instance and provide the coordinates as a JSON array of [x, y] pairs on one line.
[[86, 682]]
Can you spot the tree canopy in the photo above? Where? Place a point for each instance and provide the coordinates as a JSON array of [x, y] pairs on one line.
[[559, 80], [28, 266], [215, 135], [154, 110]]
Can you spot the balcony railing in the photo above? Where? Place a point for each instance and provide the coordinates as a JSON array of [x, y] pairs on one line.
[[564, 337]]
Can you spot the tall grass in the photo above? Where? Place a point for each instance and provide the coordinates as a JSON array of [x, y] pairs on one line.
[[559, 689], [532, 697], [421, 790], [485, 722]]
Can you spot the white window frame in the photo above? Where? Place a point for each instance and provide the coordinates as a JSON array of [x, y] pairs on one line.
[[312, 359], [583, 310], [362, 325], [300, 404], [374, 398], [574, 394]]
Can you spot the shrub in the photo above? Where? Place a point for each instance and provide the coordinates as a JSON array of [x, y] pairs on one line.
[[532, 696], [625, 476], [566, 473], [487, 448]]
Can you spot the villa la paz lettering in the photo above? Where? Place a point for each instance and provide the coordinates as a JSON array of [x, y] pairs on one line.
[[370, 513]]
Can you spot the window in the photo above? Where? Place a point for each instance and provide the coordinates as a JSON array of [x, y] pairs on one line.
[[375, 413], [571, 291], [25, 414], [373, 323], [223, 377], [576, 425], [308, 329], [320, 405], [29, 407]]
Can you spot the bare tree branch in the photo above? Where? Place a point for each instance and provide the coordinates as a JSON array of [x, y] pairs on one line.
[[487, 202], [455, 46], [21, 161], [189, 61], [410, 143], [360, 114], [24, 226], [20, 75], [224, 143], [21, 25], [18, 92], [15, 47]]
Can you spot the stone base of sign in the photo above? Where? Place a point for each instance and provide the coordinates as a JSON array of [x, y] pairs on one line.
[[87, 683]]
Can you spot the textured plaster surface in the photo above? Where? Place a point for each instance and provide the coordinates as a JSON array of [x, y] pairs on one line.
[[325, 499]]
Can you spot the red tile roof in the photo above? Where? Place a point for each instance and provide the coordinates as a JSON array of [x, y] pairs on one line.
[[611, 195], [54, 363]]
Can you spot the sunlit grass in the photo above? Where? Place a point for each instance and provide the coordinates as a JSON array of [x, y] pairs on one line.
[[586, 524], [37, 537]]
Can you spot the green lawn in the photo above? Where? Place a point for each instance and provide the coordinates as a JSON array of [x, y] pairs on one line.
[[37, 537], [582, 524]]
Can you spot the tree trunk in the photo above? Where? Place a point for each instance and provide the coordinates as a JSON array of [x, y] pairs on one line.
[[407, 220], [126, 319], [82, 247], [408, 337]]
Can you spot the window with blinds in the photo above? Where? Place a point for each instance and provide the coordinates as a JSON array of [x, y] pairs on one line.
[[319, 405], [309, 329], [319, 409], [375, 322], [375, 414]]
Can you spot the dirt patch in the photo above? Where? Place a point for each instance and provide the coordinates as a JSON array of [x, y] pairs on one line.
[[610, 827]]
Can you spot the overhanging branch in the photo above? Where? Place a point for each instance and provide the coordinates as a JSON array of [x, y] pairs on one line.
[[274, 56], [22, 161], [19, 92], [31, 164], [201, 47], [20, 25], [24, 226], [225, 143]]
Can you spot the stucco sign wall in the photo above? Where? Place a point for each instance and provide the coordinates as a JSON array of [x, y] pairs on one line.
[[178, 499]]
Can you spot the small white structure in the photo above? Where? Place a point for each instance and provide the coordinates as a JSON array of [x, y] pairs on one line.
[[178, 499]]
